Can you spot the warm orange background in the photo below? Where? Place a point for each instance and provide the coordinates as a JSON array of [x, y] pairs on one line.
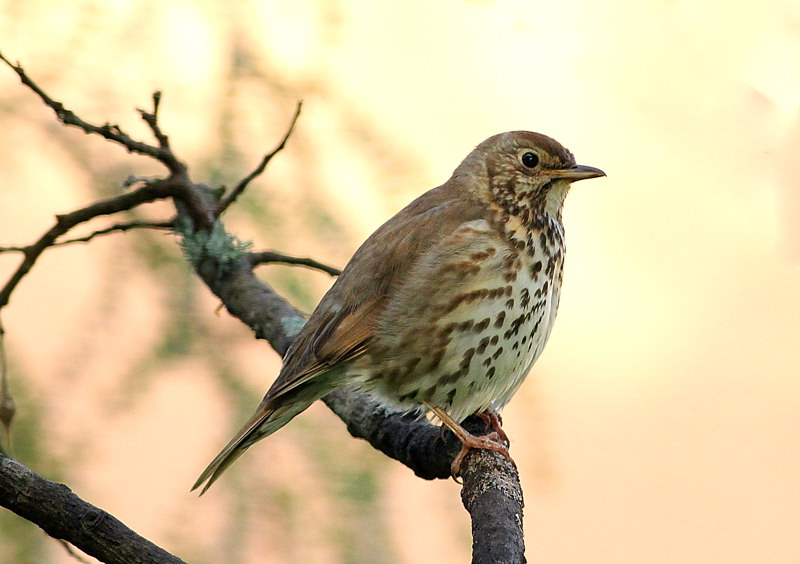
[[662, 423]]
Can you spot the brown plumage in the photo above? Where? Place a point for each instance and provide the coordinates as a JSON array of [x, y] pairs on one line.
[[446, 306]]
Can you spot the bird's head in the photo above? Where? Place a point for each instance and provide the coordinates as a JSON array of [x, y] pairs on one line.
[[522, 169]]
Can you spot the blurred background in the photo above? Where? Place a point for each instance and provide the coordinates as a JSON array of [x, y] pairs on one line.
[[661, 424]]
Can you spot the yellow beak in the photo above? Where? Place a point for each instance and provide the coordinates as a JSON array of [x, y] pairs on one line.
[[577, 172]]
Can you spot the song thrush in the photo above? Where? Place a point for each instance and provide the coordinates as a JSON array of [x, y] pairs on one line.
[[446, 306]]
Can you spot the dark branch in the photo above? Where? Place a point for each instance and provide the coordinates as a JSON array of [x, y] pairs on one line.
[[240, 187], [152, 191], [151, 119], [108, 131], [63, 515], [252, 301], [266, 257], [492, 495]]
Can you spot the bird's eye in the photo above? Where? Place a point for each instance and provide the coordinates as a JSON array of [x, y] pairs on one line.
[[529, 159]]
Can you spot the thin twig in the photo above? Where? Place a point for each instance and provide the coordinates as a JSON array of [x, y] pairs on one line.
[[13, 249], [108, 230], [151, 191], [163, 225], [263, 257], [108, 131], [240, 187], [151, 119]]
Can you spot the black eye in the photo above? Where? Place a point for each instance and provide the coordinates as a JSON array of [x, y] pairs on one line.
[[529, 159]]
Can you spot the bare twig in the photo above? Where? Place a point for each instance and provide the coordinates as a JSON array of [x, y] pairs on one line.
[[13, 249], [166, 225], [149, 192], [151, 119], [240, 187], [163, 225], [109, 131], [263, 257]]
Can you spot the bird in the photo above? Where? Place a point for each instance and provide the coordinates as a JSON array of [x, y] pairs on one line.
[[446, 307]]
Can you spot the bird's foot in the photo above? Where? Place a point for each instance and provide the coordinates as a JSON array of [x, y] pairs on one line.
[[492, 441], [493, 420], [497, 440]]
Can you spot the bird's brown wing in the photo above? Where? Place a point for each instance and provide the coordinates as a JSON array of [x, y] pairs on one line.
[[347, 317]]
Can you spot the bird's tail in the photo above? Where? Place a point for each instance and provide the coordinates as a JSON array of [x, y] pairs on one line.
[[264, 422], [271, 415]]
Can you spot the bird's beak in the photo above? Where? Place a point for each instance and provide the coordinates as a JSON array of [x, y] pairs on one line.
[[577, 172]]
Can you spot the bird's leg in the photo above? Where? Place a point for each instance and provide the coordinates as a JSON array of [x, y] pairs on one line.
[[470, 441], [494, 421]]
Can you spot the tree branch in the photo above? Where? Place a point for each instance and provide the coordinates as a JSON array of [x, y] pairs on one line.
[[492, 494], [63, 515]]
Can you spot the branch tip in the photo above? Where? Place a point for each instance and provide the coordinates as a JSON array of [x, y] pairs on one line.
[[266, 257], [242, 185], [110, 132]]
